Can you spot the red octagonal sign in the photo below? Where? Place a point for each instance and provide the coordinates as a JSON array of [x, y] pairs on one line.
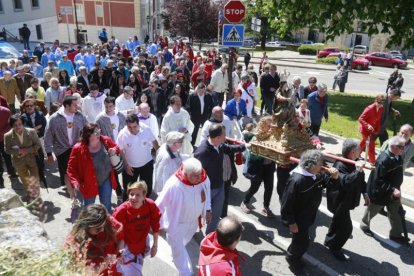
[[234, 11]]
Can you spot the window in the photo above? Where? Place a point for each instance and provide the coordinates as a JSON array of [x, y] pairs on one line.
[[39, 32], [1, 7], [80, 11], [99, 11], [35, 4], [17, 4]]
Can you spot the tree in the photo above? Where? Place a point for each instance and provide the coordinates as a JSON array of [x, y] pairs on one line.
[[334, 17], [196, 19]]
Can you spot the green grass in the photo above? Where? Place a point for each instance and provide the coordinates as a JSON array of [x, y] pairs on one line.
[[344, 110]]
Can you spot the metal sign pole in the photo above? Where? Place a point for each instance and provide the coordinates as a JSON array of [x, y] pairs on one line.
[[67, 26]]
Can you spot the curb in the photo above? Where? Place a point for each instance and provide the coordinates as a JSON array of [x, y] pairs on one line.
[[406, 199], [297, 66]]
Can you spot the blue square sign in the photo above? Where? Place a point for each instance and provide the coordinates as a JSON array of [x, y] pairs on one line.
[[233, 35]]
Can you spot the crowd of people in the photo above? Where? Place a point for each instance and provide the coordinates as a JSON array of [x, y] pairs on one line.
[[160, 119]]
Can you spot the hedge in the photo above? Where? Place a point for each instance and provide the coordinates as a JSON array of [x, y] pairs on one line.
[[327, 60], [309, 49]]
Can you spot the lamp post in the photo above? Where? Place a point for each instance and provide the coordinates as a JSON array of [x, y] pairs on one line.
[[148, 22]]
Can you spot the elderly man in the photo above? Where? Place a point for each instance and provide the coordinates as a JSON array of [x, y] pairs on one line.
[[133, 139], [217, 117], [345, 197], [148, 119], [51, 69], [168, 159], [301, 200], [178, 119], [318, 107], [390, 97], [297, 90], [199, 105], [10, 90], [384, 188], [211, 153], [184, 200], [199, 76], [23, 80], [218, 254], [219, 84], [406, 131], [84, 80]]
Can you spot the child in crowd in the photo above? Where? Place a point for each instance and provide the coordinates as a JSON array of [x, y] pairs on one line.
[[138, 215], [303, 114], [94, 238], [248, 133]]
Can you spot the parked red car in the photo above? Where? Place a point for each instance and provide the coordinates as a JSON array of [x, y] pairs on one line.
[[359, 62], [385, 60], [326, 51]]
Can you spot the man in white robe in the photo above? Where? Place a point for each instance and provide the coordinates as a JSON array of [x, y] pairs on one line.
[[249, 93], [148, 119], [218, 117], [168, 159], [184, 201], [178, 119]]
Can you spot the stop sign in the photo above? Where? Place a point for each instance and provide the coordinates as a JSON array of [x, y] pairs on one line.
[[234, 11]]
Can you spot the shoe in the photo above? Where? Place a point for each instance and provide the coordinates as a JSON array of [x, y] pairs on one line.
[[246, 209], [295, 263], [367, 231], [400, 239], [268, 213], [338, 255]]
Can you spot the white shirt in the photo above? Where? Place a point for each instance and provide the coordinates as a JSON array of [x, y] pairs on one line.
[[201, 98], [114, 124], [152, 123], [137, 148], [123, 105], [226, 122], [92, 106], [69, 126]]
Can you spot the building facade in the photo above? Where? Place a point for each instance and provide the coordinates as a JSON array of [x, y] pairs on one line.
[[121, 18], [39, 15]]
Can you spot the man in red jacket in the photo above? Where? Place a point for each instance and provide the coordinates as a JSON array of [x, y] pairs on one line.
[[218, 253]]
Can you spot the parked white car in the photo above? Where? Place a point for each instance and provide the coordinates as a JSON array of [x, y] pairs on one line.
[[360, 49], [273, 44]]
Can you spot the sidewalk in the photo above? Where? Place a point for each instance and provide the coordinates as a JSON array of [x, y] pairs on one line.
[[333, 144]]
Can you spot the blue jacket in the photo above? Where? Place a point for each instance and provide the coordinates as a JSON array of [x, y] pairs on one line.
[[39, 120], [231, 110], [68, 66], [44, 60], [316, 111]]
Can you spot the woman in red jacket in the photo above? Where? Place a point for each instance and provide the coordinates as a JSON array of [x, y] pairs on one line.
[[370, 124], [89, 168]]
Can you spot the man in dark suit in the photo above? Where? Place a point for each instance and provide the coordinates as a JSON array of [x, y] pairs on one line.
[[84, 81], [156, 99], [199, 105]]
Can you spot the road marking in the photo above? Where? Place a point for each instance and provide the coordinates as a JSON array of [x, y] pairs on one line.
[[356, 224], [281, 242], [312, 73]]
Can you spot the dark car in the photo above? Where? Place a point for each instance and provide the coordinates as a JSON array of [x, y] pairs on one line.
[[385, 60], [326, 51]]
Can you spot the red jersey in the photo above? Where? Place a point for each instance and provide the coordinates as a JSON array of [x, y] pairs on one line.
[[137, 223]]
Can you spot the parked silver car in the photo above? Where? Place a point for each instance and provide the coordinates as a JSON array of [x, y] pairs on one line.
[[361, 49]]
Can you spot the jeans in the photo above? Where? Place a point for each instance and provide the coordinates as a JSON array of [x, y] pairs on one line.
[[218, 98], [26, 44], [217, 200], [105, 194], [268, 100]]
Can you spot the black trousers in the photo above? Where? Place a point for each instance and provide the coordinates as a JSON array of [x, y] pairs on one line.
[[315, 129], [40, 160], [340, 229], [197, 125], [267, 177], [383, 136], [300, 243], [282, 174], [63, 160], [144, 173], [7, 160]]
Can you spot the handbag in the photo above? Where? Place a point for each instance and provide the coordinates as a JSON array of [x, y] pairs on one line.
[[116, 161]]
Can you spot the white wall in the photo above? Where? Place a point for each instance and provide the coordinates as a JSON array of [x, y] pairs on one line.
[[49, 25]]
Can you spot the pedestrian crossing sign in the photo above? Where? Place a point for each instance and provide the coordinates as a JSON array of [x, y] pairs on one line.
[[233, 35]]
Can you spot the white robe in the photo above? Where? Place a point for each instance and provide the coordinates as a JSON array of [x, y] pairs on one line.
[[165, 167], [152, 123], [248, 99], [181, 206], [173, 122]]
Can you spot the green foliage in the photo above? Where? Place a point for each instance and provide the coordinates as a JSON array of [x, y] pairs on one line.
[[16, 262], [309, 49], [327, 60], [334, 17]]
